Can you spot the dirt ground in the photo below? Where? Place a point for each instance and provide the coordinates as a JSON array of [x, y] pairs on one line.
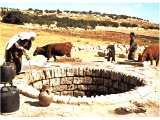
[[30, 107]]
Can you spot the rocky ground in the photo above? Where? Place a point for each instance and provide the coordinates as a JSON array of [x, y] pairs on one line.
[[146, 107]]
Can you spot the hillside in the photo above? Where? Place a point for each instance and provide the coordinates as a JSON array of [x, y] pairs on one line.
[[138, 22], [48, 29], [82, 19]]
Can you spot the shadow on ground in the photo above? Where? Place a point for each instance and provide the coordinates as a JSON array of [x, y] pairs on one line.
[[36, 104]]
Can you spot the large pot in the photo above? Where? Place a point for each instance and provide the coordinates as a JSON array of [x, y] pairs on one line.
[[45, 97], [10, 100], [8, 71]]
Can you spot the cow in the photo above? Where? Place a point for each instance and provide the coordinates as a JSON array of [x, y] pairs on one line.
[[149, 54], [56, 49], [110, 54], [140, 59]]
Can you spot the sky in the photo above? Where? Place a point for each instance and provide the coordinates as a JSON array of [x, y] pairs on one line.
[[141, 9]]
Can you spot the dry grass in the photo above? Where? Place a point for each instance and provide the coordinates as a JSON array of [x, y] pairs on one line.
[[78, 38], [43, 38]]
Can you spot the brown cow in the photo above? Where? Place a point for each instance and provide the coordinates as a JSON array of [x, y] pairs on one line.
[[150, 53], [57, 49]]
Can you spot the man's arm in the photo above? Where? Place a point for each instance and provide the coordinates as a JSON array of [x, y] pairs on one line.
[[19, 47], [130, 46], [26, 52]]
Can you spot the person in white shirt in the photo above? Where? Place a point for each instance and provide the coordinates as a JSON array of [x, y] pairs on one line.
[[18, 45]]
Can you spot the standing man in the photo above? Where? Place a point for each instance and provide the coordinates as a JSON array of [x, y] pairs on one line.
[[133, 47], [18, 45]]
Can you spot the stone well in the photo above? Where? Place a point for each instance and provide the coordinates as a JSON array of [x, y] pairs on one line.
[[85, 85]]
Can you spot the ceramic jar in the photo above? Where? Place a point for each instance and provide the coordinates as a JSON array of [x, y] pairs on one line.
[[45, 96]]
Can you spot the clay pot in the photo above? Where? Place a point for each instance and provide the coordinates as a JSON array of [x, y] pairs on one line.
[[45, 97]]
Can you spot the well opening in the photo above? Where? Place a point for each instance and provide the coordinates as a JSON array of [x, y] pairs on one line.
[[84, 81]]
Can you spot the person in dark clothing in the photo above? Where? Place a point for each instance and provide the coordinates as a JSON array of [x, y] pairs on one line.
[[110, 53], [133, 47], [18, 45]]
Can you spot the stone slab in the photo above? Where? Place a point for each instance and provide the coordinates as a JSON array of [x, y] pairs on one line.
[[132, 62]]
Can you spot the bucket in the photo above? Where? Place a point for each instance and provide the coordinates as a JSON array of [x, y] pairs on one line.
[[8, 72], [10, 100]]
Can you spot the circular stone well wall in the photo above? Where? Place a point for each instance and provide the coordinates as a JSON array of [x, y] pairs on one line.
[[84, 81]]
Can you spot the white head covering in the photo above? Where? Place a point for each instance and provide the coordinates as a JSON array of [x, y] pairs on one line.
[[11, 41], [27, 35], [24, 35], [33, 34]]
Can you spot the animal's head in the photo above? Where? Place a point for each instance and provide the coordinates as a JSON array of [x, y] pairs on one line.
[[110, 47], [38, 51], [144, 56]]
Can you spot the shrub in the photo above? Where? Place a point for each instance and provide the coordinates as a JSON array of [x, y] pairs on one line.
[[58, 11], [115, 24], [134, 25], [96, 13], [45, 19], [124, 24], [15, 17], [30, 9], [92, 23], [137, 18], [67, 11], [3, 11], [153, 27], [83, 12], [38, 11], [90, 12], [113, 16], [76, 12], [108, 23], [123, 16], [50, 11]]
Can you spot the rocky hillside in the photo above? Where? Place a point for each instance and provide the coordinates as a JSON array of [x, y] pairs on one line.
[[83, 19], [122, 20], [90, 25]]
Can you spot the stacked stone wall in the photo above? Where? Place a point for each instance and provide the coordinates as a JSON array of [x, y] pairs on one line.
[[84, 81]]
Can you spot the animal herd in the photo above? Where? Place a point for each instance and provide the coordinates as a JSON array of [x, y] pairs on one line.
[[60, 49]]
